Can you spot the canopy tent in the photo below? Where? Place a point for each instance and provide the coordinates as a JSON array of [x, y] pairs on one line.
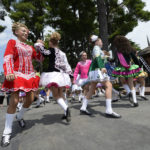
[[145, 51]]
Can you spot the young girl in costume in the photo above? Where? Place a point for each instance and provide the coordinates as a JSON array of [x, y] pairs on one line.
[[82, 68], [19, 76], [97, 73], [125, 70], [140, 79], [56, 77]]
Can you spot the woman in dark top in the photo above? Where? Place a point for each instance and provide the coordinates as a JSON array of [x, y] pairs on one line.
[[127, 64], [56, 76]]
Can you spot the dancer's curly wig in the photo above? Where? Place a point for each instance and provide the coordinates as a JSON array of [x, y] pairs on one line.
[[122, 44], [16, 26], [55, 37]]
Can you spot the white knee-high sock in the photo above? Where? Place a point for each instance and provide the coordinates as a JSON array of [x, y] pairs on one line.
[[62, 103], [137, 86], [38, 102], [51, 95], [142, 91], [66, 101], [21, 113], [8, 123], [126, 87], [80, 96], [47, 98], [19, 105], [65, 95], [134, 96], [41, 99], [84, 103], [108, 106], [115, 91], [73, 95]]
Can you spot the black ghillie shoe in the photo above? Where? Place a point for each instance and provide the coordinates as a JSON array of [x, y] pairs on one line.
[[135, 105], [5, 141], [127, 95], [130, 98], [113, 115], [21, 122], [144, 98], [115, 100], [120, 96], [67, 117], [85, 112], [37, 106]]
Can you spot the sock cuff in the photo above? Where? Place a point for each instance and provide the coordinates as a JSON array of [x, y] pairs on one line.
[[108, 99], [10, 114]]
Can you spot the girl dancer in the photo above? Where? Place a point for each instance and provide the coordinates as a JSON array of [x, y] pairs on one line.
[[77, 89], [19, 75], [97, 73], [141, 77], [124, 69], [57, 75], [82, 68], [140, 84]]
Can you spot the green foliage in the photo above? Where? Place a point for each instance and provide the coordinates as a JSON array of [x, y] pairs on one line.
[[32, 13], [135, 46], [2, 17], [2, 28], [124, 16], [76, 20]]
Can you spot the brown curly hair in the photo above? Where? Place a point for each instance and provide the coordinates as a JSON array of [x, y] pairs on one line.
[[55, 37], [122, 44], [17, 25]]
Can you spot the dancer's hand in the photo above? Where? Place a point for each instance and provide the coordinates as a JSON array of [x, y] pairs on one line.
[[106, 53], [10, 77], [104, 70], [40, 41]]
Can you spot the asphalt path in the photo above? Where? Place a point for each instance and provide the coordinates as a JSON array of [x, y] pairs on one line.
[[46, 131]]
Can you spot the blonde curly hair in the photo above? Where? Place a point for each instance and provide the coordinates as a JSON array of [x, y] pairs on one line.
[[55, 37], [16, 26]]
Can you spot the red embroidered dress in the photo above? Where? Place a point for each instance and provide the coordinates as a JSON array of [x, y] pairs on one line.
[[18, 60]]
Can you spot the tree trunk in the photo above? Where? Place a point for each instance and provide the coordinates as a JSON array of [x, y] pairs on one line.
[[102, 19]]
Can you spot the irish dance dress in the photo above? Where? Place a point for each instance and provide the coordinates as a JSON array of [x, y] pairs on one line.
[[125, 67], [82, 68], [58, 71], [95, 73], [18, 61]]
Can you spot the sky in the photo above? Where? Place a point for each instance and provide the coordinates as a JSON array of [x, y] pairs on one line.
[[138, 35]]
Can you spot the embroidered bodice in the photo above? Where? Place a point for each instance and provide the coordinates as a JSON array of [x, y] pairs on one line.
[[82, 68], [18, 59], [57, 59]]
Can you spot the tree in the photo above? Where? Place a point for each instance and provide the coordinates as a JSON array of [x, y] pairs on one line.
[[32, 13], [70, 18], [123, 16], [75, 20], [102, 19], [2, 15]]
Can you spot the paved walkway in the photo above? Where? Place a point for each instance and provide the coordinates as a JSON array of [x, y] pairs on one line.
[[46, 131]]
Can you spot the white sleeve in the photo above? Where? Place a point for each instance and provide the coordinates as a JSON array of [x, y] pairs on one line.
[[68, 68], [40, 47], [98, 52]]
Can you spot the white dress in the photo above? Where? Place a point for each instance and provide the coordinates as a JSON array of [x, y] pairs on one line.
[[95, 73], [59, 69]]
